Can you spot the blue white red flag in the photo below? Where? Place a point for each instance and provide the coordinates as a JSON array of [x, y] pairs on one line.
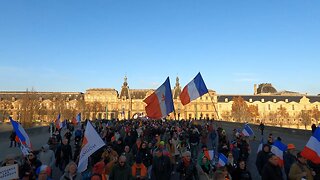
[[22, 135], [278, 148], [193, 90], [160, 103], [247, 131], [312, 149], [58, 123], [222, 160]]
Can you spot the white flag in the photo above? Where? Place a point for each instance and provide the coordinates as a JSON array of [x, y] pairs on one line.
[[90, 144]]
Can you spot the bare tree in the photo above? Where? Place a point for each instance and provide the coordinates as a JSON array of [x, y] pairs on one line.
[[240, 109], [282, 114], [305, 116], [29, 108], [5, 109], [315, 114], [253, 112]]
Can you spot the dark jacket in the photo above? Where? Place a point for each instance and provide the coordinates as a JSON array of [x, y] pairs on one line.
[[188, 173], [288, 159], [161, 168], [271, 172], [241, 174], [120, 172], [262, 159]]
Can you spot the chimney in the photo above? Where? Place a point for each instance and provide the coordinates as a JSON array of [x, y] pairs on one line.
[[255, 89]]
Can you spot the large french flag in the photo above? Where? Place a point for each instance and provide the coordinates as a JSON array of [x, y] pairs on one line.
[[193, 90], [278, 148], [21, 133], [312, 150], [160, 103]]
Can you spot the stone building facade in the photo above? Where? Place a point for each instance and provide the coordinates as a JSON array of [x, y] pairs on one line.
[[108, 103]]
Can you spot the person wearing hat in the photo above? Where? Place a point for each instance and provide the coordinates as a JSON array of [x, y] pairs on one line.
[[300, 169], [272, 170], [289, 158], [187, 168]]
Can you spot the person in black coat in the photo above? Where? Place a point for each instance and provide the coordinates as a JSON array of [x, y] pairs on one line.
[[13, 139], [262, 157], [241, 173], [161, 166], [272, 170]]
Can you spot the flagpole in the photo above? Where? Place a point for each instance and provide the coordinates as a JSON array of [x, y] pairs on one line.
[[214, 106]]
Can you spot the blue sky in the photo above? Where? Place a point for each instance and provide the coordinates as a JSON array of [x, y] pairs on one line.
[[75, 45]]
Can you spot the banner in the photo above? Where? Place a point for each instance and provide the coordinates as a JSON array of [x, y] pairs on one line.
[[9, 172]]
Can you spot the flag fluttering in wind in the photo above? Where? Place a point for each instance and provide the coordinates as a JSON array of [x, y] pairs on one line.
[[90, 144], [247, 131], [76, 120], [193, 90], [222, 160], [209, 154], [160, 103], [312, 149], [23, 137], [278, 148]]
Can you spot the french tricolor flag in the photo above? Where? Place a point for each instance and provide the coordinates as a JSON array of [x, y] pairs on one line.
[[21, 133], [160, 103], [278, 148], [58, 123], [312, 150], [209, 154], [222, 160], [193, 90], [247, 131]]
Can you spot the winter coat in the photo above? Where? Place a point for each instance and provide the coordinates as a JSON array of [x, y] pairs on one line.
[[297, 169], [47, 156], [187, 173], [65, 176], [120, 172], [271, 172]]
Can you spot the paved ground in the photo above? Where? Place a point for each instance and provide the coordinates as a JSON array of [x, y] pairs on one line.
[[299, 140]]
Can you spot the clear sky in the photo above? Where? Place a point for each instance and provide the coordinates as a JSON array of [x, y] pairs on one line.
[[73, 45]]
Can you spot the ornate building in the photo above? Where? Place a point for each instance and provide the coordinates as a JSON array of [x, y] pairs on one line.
[[108, 103]]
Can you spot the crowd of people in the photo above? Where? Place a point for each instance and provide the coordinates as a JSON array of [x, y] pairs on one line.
[[158, 149]]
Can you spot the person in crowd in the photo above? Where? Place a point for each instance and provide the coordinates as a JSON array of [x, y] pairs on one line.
[[262, 157], [29, 166], [271, 170], [46, 156], [241, 172], [194, 140], [161, 166], [128, 155], [231, 164], [9, 160], [13, 139], [300, 169], [63, 154], [205, 169], [118, 146], [70, 173], [187, 168], [289, 158], [270, 139], [121, 171], [43, 172], [139, 170], [261, 128], [222, 174], [68, 135]]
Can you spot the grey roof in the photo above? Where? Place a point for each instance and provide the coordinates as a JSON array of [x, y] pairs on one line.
[[221, 98]]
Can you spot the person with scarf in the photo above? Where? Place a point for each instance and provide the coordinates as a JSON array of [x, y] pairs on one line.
[[205, 169], [187, 168]]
